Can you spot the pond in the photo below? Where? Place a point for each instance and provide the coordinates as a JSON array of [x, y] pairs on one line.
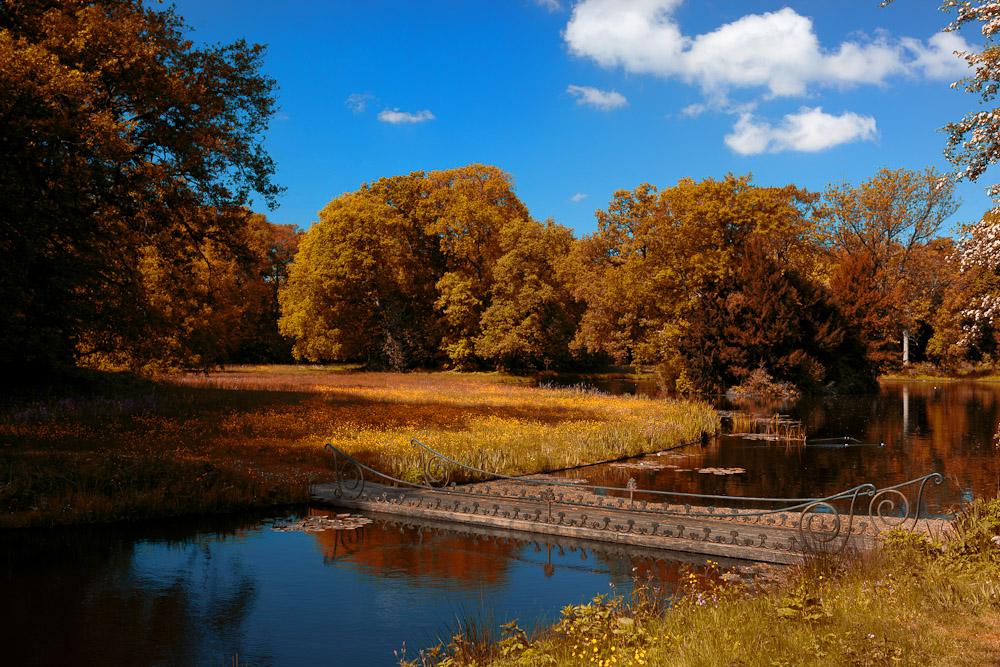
[[234, 590], [214, 591], [906, 431]]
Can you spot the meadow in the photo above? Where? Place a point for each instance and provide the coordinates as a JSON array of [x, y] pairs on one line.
[[254, 436]]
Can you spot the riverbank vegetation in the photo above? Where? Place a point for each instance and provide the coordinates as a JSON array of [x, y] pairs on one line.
[[913, 602], [196, 443]]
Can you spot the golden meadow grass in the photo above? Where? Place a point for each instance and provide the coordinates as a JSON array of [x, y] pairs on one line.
[[254, 436]]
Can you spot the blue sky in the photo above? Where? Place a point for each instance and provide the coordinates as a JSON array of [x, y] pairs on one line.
[[579, 99]]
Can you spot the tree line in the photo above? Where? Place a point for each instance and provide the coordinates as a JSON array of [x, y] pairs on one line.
[[708, 281], [129, 159]]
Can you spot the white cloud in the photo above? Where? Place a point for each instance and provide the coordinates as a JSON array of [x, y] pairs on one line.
[[578, 197], [693, 110], [551, 5], [395, 116], [808, 131], [777, 50], [358, 101], [599, 99], [639, 35], [938, 59]]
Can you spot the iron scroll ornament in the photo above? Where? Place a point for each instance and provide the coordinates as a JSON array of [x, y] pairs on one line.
[[823, 539], [436, 468], [882, 507], [350, 475], [820, 524]]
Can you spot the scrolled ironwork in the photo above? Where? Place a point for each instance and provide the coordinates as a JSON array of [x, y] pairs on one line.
[[883, 511], [883, 505], [825, 524], [350, 475], [814, 538], [436, 467]]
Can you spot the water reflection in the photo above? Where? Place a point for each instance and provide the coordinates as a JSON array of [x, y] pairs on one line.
[[208, 591], [920, 428]]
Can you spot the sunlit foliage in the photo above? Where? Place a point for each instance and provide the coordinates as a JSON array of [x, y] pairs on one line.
[[117, 135], [412, 271], [883, 235], [657, 254]]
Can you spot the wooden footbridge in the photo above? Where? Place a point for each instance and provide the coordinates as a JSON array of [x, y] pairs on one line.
[[775, 530]]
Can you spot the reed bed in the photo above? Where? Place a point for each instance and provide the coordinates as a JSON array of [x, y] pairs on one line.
[[776, 428], [254, 436]]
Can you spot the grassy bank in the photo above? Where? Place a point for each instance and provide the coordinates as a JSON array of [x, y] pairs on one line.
[[254, 437], [910, 603], [926, 372]]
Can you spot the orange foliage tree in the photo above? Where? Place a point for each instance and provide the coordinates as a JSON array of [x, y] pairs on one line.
[[880, 231], [117, 135], [657, 253]]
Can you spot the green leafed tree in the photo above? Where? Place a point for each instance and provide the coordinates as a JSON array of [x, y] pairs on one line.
[[116, 135]]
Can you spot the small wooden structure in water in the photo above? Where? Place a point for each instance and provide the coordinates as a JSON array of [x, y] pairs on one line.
[[775, 530]]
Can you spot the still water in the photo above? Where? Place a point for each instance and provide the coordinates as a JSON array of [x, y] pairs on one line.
[[214, 591], [211, 591], [906, 431]]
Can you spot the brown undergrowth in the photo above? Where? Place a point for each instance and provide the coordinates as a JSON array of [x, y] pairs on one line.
[[251, 437]]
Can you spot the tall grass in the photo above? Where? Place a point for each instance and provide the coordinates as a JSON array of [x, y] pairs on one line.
[[251, 437], [912, 602]]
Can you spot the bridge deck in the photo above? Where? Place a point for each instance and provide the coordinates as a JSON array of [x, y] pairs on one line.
[[774, 538]]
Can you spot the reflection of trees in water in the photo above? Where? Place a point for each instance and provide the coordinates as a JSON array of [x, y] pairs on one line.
[[945, 428], [107, 596], [411, 553]]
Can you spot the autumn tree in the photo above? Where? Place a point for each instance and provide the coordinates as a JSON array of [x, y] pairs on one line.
[[362, 286], [656, 253], [765, 315], [531, 318], [879, 229], [973, 146], [261, 275], [471, 209], [215, 304], [443, 267], [116, 135]]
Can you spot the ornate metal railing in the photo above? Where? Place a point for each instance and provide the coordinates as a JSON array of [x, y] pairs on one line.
[[820, 523]]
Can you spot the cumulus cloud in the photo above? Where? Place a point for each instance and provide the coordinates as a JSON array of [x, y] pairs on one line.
[[551, 5], [938, 60], [599, 99], [778, 51], [810, 130], [396, 117], [578, 197]]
